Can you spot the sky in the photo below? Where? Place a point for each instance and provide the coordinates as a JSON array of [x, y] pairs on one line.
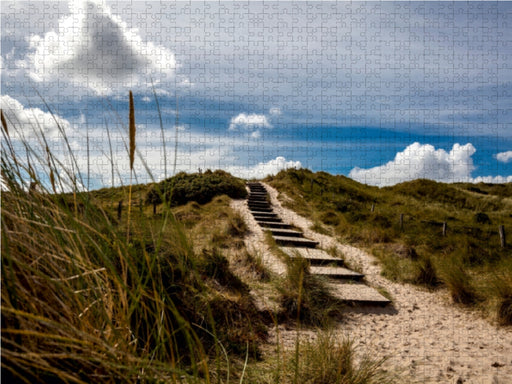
[[382, 92]]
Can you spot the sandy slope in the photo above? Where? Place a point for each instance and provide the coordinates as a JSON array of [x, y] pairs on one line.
[[432, 340]]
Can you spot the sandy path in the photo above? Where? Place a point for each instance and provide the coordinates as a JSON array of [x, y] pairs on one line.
[[424, 333]]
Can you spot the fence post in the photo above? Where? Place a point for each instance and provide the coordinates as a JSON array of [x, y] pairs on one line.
[[502, 236], [401, 221], [373, 207], [444, 228]]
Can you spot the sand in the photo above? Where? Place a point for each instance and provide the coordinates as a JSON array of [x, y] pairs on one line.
[[425, 337]]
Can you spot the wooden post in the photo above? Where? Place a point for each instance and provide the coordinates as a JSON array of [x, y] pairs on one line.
[[401, 221], [119, 210], [502, 236], [373, 207], [154, 207], [444, 228]]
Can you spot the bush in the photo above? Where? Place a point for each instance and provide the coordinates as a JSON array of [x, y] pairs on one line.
[[198, 187], [482, 218]]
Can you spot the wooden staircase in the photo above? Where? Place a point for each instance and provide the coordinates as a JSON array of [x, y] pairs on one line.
[[345, 284]]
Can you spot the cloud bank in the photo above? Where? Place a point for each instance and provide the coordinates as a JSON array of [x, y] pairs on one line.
[[96, 49], [425, 161]]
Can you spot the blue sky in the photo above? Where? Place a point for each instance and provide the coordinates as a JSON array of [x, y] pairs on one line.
[[383, 92]]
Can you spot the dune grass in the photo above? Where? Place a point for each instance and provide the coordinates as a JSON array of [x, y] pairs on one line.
[[133, 283], [92, 291], [403, 226]]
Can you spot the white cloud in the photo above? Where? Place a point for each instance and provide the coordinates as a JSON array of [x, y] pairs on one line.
[[504, 157], [275, 111], [256, 134], [25, 122], [249, 122], [262, 170], [492, 179], [96, 49], [421, 161]]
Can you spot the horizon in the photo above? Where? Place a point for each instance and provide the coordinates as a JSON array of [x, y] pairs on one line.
[[381, 92]]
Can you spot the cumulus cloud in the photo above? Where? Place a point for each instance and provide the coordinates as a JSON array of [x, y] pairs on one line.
[[249, 122], [421, 161], [25, 122], [96, 49], [263, 169], [504, 157]]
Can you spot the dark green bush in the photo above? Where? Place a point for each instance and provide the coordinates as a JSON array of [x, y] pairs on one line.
[[198, 187]]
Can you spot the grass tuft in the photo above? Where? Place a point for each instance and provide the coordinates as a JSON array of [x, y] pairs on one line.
[[305, 297], [329, 361]]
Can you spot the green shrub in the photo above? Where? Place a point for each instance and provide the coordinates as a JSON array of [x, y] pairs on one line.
[[482, 218], [198, 187]]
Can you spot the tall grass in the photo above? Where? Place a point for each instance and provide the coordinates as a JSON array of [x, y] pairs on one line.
[[81, 300], [89, 298], [132, 158]]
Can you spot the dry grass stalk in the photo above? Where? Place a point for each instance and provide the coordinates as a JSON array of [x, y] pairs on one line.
[[4, 123], [132, 158]]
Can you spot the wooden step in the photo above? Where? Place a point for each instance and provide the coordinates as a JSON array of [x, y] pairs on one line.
[[258, 206], [263, 214], [295, 241], [268, 224], [258, 203], [357, 294], [336, 272], [261, 209], [268, 219], [258, 199], [314, 256], [286, 232]]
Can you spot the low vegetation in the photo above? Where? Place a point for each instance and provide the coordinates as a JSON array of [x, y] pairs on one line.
[[198, 187], [423, 232], [133, 283]]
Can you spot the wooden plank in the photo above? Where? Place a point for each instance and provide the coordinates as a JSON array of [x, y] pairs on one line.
[[315, 256], [286, 232], [268, 219], [264, 214], [336, 272], [267, 224], [295, 241], [357, 293]]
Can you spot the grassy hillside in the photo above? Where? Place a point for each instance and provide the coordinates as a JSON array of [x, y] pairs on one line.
[[81, 302], [142, 283], [403, 226]]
